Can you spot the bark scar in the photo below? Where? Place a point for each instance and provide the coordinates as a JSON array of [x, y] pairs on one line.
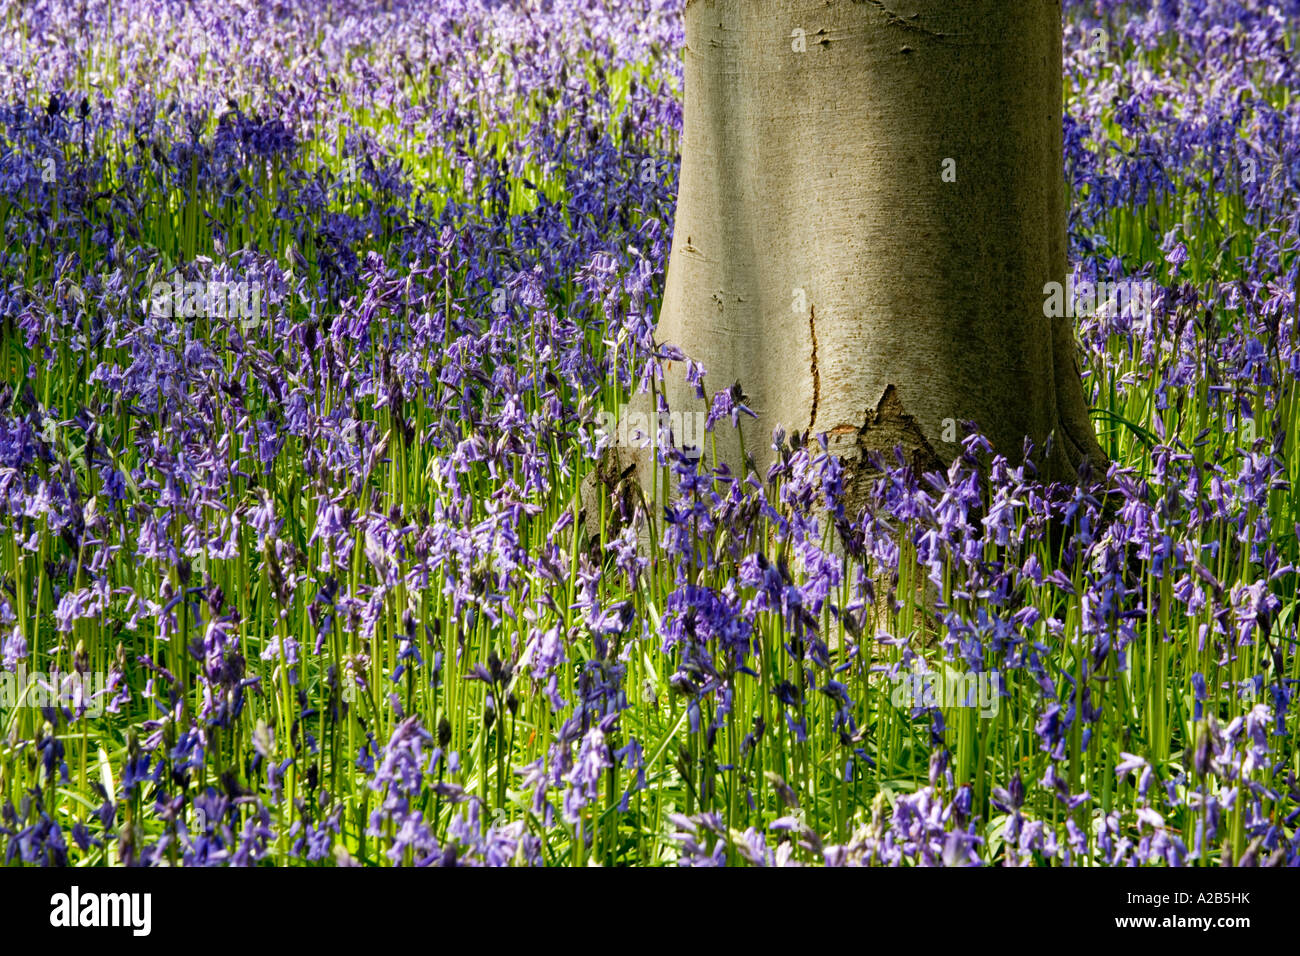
[[816, 376], [886, 428], [906, 23], [889, 426]]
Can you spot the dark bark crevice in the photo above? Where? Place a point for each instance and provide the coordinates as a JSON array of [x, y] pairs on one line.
[[816, 375]]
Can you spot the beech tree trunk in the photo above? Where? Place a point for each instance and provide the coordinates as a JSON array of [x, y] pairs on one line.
[[872, 200]]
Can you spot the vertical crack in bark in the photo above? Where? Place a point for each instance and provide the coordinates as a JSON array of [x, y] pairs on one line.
[[816, 376]]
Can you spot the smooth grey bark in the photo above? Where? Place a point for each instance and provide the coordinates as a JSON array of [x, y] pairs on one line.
[[820, 258]]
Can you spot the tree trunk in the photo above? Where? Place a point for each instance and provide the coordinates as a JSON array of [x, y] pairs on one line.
[[872, 199]]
